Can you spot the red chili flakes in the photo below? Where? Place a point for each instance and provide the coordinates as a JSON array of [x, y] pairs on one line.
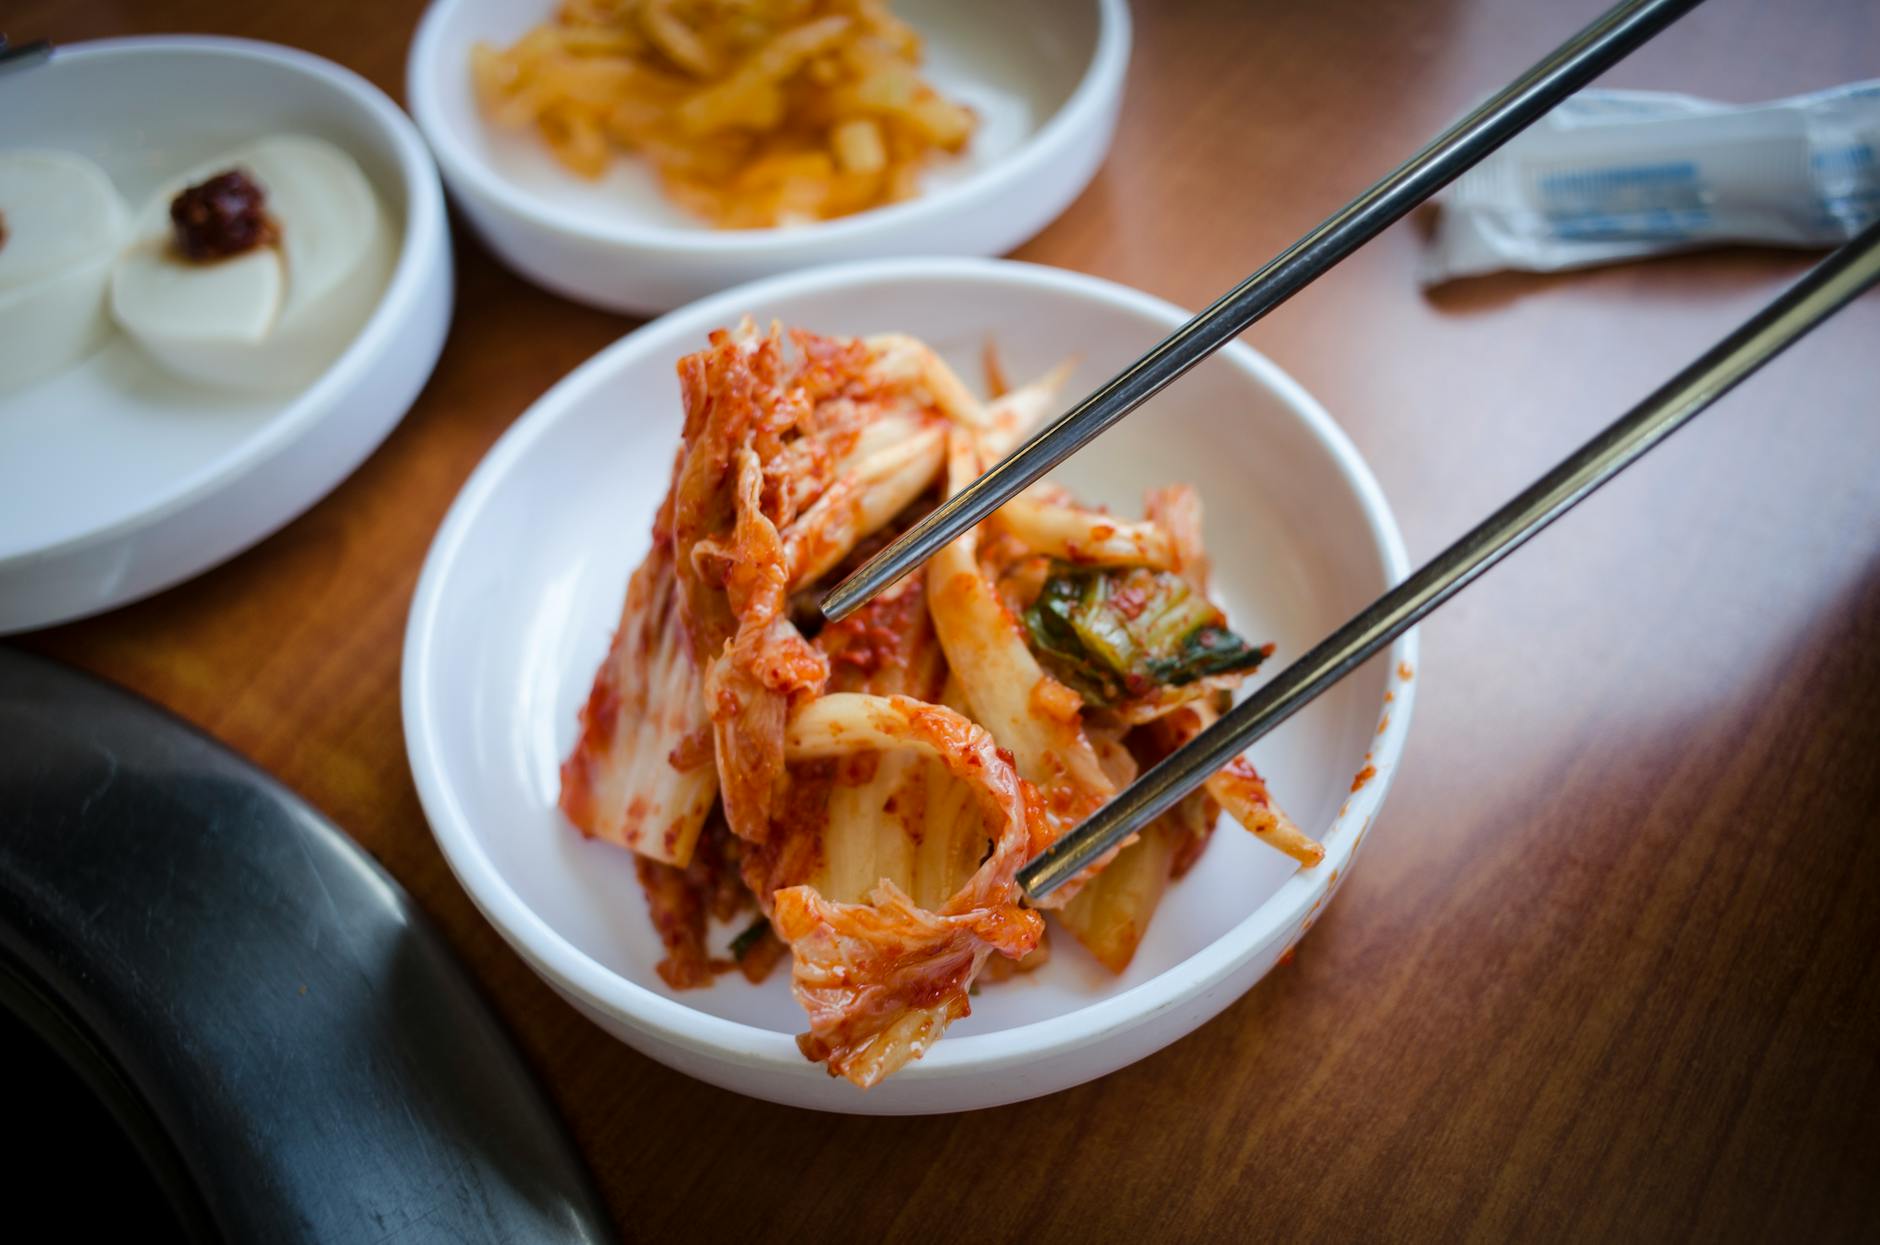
[[876, 638], [222, 217], [1130, 600], [760, 959], [678, 913], [693, 751], [1241, 773], [858, 770]]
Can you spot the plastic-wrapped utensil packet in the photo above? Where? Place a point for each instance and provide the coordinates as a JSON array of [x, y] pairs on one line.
[[1613, 175]]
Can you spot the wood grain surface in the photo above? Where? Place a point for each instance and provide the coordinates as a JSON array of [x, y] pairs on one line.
[[1609, 970]]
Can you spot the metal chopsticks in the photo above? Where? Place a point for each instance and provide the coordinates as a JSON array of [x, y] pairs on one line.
[[1826, 288], [1452, 153]]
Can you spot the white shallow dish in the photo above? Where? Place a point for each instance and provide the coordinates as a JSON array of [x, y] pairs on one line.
[[1046, 80], [117, 480], [524, 582]]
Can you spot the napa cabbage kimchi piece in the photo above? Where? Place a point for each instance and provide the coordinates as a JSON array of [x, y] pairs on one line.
[[871, 787]]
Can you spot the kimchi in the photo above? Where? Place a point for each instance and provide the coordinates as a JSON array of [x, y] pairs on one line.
[[857, 797]]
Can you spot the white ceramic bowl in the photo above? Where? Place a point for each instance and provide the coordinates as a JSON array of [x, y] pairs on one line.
[[1045, 78], [524, 582], [116, 479]]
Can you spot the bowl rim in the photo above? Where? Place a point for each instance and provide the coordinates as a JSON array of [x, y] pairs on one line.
[[422, 252], [468, 172], [732, 1042]]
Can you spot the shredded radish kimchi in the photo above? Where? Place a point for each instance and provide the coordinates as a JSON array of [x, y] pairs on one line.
[[857, 797]]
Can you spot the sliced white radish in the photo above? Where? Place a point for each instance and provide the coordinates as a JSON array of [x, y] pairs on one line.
[[61, 225], [220, 321], [174, 305], [328, 218]]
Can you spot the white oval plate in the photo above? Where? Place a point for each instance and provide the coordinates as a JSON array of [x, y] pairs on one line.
[[524, 582], [1045, 79], [117, 480]]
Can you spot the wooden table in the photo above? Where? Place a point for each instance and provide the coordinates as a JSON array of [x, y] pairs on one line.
[[1609, 969]]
